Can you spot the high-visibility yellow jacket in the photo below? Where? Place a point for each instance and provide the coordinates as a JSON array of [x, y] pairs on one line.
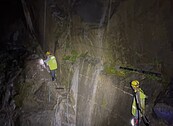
[[140, 97], [51, 62]]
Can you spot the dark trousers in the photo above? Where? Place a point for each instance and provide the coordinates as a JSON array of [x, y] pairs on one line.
[[52, 72]]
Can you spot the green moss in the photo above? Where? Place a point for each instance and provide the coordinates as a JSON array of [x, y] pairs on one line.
[[74, 56], [66, 57], [112, 70]]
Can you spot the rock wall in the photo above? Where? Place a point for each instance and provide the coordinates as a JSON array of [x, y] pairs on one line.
[[137, 35], [145, 27], [95, 96]]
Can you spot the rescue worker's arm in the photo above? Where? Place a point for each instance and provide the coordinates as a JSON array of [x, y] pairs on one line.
[[48, 58]]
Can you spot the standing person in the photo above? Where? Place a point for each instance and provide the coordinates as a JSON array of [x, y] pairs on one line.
[[138, 105], [52, 64]]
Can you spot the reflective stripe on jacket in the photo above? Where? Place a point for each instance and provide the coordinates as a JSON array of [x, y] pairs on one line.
[[141, 102], [52, 62]]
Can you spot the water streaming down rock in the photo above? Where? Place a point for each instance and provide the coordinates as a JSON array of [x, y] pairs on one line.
[[101, 31], [94, 81], [74, 89], [83, 89], [86, 77]]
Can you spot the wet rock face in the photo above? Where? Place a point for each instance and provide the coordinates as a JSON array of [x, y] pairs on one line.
[[37, 96], [129, 38], [36, 99], [93, 97], [84, 87]]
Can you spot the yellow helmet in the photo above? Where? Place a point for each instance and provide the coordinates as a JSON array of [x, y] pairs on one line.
[[135, 83], [47, 53]]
